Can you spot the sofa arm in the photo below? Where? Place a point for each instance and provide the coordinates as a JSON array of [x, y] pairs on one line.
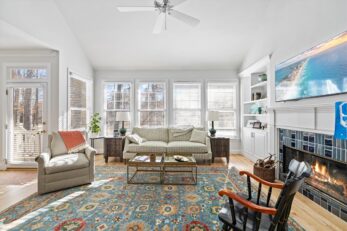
[[42, 160], [208, 143], [90, 153], [126, 143]]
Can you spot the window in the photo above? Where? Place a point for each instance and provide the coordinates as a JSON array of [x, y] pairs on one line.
[[28, 73], [222, 97], [78, 102], [151, 104], [187, 104], [117, 98]]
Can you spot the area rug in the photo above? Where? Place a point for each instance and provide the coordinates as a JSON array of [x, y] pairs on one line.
[[112, 204]]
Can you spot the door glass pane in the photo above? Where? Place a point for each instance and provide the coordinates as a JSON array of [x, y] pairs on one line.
[[27, 120], [20, 73]]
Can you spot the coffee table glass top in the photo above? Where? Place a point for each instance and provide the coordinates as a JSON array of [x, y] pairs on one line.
[[145, 159], [170, 160]]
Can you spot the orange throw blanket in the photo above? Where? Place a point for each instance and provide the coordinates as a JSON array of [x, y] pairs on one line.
[[73, 140]]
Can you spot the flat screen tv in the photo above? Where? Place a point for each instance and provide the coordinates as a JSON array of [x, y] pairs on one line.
[[319, 71]]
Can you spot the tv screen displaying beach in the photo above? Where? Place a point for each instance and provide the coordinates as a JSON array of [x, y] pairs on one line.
[[319, 71]]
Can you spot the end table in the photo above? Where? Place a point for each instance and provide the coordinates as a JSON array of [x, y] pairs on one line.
[[113, 146], [220, 147]]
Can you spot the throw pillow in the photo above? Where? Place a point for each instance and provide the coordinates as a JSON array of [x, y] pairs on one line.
[[198, 136], [57, 145], [135, 138]]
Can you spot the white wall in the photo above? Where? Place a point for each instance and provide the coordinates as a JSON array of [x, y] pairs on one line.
[[42, 20], [291, 28], [195, 75]]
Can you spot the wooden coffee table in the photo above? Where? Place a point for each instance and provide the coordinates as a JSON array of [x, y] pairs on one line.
[[163, 164], [142, 163], [173, 166]]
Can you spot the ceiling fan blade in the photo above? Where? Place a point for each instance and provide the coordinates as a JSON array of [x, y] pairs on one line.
[[159, 24], [135, 8], [176, 2], [184, 18]]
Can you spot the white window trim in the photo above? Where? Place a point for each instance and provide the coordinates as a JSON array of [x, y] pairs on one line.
[[105, 110], [88, 108], [166, 111]]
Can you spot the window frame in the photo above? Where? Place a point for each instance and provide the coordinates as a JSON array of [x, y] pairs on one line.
[[236, 109], [173, 109], [88, 108], [131, 104], [137, 102]]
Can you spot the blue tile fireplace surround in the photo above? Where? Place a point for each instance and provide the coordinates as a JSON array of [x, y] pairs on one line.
[[328, 157]]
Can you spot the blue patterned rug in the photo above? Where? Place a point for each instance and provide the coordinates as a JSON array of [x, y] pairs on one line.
[[112, 204]]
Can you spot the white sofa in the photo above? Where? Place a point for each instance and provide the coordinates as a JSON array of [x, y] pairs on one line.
[[165, 140]]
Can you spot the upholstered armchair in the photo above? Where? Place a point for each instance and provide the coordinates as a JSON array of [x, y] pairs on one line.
[[64, 170]]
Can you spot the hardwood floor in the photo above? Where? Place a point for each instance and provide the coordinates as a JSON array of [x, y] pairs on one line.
[[307, 213]]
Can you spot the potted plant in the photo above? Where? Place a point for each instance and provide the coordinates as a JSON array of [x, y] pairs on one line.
[[94, 124]]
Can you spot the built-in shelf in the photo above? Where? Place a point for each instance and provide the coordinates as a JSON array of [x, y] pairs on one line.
[[254, 114], [255, 101], [260, 84]]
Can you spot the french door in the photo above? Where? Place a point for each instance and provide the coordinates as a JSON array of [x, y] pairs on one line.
[[26, 122]]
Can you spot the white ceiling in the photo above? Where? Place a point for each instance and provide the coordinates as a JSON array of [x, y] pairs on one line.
[[114, 40]]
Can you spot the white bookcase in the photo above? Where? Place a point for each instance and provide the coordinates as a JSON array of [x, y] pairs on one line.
[[254, 106]]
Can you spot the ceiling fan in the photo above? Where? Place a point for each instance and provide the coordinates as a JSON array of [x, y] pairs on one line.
[[164, 8]]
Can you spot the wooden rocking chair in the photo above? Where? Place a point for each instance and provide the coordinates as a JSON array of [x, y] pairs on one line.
[[252, 213]]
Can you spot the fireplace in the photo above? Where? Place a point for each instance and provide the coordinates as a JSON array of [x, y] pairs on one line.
[[329, 176], [328, 158]]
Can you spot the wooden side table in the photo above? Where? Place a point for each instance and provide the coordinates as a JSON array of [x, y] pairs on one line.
[[113, 146], [220, 147], [92, 140]]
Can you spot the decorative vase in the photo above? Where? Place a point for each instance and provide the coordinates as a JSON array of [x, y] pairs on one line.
[[152, 157], [122, 131], [213, 132]]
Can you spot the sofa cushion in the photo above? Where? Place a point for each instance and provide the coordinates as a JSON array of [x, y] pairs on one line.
[[186, 147], [198, 136], [148, 146], [135, 138], [152, 134], [67, 162], [185, 136]]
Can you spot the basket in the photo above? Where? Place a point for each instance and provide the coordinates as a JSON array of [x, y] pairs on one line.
[[265, 169]]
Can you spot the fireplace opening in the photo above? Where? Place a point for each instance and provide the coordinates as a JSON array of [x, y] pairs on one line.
[[329, 176]]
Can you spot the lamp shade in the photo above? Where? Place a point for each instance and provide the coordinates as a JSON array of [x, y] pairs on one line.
[[213, 116], [123, 116]]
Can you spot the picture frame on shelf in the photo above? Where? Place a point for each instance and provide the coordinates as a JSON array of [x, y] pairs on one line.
[[250, 123], [257, 125]]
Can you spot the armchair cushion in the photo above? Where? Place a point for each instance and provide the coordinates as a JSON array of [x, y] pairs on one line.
[[67, 162], [57, 145]]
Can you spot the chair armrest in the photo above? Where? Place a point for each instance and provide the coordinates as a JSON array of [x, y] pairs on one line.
[[90, 153], [247, 203], [270, 184], [43, 158], [208, 143], [42, 161]]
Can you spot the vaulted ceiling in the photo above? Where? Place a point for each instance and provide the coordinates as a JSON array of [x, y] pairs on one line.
[[116, 40]]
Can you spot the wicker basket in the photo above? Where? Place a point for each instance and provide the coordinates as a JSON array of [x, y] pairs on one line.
[[265, 169], [267, 174]]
